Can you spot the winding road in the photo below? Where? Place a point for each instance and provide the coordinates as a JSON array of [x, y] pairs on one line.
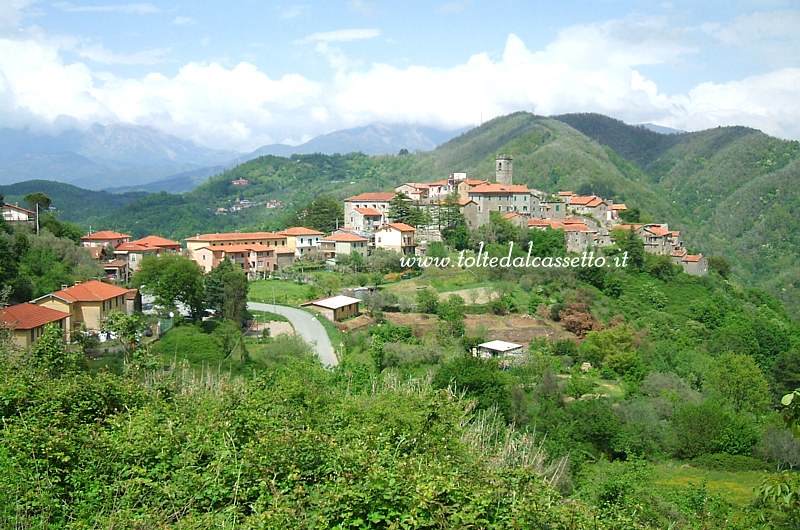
[[306, 325]]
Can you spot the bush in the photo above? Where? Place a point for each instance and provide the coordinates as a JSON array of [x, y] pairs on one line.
[[481, 379], [726, 462]]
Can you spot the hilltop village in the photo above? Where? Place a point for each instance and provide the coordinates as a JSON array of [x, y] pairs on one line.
[[587, 223]]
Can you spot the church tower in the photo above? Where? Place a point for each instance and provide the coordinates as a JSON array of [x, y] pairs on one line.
[[504, 170]]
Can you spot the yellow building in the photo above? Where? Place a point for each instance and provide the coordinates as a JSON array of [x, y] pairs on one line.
[[27, 321], [87, 303]]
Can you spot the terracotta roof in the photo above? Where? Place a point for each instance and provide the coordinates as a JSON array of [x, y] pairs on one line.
[[28, 316], [156, 241], [627, 227], [589, 201], [116, 263], [679, 253], [131, 246], [565, 194], [444, 182], [372, 196], [402, 227], [131, 294], [105, 235], [91, 291], [510, 215], [499, 188], [300, 231], [657, 230], [618, 207], [417, 185], [284, 250], [235, 236], [546, 223], [693, 257], [577, 227], [370, 212], [345, 238], [334, 302], [247, 247], [476, 182]]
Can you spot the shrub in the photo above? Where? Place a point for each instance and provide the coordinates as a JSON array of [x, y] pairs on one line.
[[726, 462]]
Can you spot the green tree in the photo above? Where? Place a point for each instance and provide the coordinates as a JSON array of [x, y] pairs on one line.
[[226, 289], [39, 199], [627, 241], [127, 328], [400, 207], [323, 213], [738, 381], [49, 353], [482, 380], [721, 265], [451, 313], [172, 279], [427, 300]]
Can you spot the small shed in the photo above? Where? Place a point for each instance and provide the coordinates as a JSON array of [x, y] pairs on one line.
[[335, 308], [497, 348]]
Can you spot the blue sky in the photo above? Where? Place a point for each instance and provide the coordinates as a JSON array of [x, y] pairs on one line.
[[241, 74]]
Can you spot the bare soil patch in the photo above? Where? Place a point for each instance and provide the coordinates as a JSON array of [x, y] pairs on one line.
[[511, 328]]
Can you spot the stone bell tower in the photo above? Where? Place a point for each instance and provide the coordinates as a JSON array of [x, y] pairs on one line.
[[504, 169]]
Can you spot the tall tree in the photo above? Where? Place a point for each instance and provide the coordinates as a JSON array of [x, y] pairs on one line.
[[226, 291], [399, 208], [321, 214], [172, 279], [37, 198]]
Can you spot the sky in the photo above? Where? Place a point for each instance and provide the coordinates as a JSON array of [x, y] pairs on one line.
[[242, 74]]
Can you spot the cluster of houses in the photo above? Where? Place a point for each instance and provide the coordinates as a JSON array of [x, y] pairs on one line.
[[75, 309], [587, 221]]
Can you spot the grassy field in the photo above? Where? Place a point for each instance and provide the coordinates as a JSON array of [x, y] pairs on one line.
[[735, 487], [280, 291]]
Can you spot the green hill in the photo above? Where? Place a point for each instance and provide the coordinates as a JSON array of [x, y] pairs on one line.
[[733, 191]]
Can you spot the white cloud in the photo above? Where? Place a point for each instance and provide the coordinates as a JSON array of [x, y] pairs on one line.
[[100, 54], [130, 9], [604, 68], [343, 35], [183, 21], [361, 6], [294, 11]]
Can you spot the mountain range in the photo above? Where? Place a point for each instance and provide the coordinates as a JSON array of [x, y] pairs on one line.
[[102, 157]]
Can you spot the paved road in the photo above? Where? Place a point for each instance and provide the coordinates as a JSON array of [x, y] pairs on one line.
[[305, 325]]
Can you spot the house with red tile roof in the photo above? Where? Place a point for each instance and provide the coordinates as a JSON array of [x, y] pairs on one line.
[[87, 303], [301, 240], [695, 264], [500, 198], [341, 244], [416, 191], [589, 205], [104, 238], [269, 239], [367, 211], [27, 321], [397, 237], [132, 252]]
